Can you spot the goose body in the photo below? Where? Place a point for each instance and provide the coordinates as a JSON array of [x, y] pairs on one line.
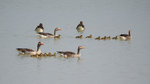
[[71, 54], [90, 36], [57, 37], [79, 36], [108, 37], [126, 36], [98, 38], [66, 53], [27, 51], [45, 35], [39, 28], [104, 38], [49, 35], [115, 38], [80, 27]]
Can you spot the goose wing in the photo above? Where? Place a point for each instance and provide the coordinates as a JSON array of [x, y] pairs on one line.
[[125, 35], [24, 50], [45, 34], [68, 53]]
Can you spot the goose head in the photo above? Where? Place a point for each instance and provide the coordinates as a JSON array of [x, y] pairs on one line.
[[57, 29], [81, 22], [81, 47], [40, 43]]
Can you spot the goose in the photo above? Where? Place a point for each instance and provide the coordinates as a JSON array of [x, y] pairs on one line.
[[47, 35], [104, 38], [26, 51], [126, 36], [80, 27], [90, 36], [71, 54], [49, 54], [41, 54], [115, 38], [108, 37], [98, 38], [79, 36], [39, 28], [45, 54], [57, 37], [54, 54]]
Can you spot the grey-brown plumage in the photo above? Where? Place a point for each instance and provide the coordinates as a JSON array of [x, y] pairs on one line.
[[71, 54], [24, 50], [45, 35], [30, 51]]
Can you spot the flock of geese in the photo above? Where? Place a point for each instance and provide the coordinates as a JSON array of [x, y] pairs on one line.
[[80, 28], [98, 38]]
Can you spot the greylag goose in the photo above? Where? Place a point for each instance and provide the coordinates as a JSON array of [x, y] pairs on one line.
[[26, 51], [39, 28], [71, 54], [47, 35], [126, 36], [90, 36], [80, 27]]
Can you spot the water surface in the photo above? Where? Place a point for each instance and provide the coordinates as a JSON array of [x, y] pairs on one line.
[[105, 62]]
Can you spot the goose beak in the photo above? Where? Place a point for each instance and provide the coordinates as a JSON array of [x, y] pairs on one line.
[[42, 43], [82, 47], [59, 28]]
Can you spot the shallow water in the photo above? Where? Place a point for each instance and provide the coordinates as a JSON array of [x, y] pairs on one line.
[[106, 62]]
